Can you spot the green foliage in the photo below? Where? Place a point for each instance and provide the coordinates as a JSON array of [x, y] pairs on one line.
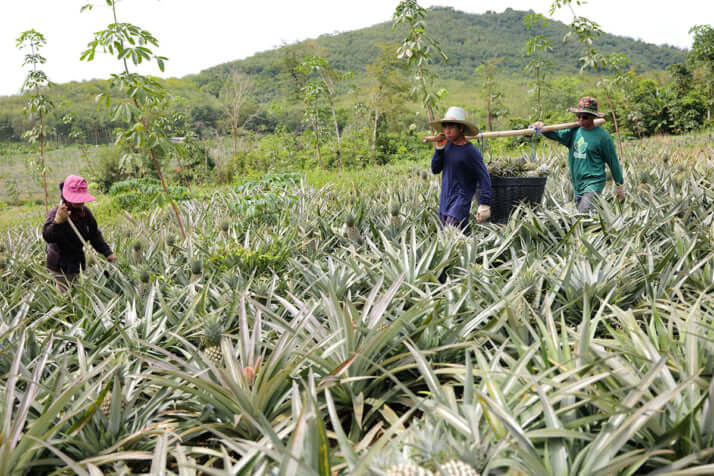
[[144, 194], [418, 48], [264, 260]]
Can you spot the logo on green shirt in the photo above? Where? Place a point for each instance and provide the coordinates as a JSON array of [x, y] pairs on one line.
[[580, 148]]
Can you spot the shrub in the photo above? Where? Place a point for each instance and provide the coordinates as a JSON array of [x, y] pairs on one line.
[[107, 168]]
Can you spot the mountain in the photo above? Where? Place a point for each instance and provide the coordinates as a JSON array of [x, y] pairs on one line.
[[468, 39]]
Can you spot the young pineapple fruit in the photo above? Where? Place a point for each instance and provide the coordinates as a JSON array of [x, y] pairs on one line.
[[396, 220], [457, 468], [352, 231], [106, 406], [136, 250], [196, 269], [212, 331]]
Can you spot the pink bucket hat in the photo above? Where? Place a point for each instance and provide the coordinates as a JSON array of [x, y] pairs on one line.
[[74, 190]]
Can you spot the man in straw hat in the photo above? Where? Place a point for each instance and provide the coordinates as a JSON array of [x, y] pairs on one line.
[[65, 249], [591, 148], [463, 169]]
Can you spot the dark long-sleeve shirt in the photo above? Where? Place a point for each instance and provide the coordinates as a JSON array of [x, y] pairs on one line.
[[64, 250], [463, 170]]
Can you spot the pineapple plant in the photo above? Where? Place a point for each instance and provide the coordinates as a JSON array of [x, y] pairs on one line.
[[212, 331]]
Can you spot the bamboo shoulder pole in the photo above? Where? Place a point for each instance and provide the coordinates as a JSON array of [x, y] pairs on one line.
[[518, 132]]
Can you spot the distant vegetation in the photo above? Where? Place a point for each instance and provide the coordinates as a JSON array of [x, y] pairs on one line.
[[342, 99]]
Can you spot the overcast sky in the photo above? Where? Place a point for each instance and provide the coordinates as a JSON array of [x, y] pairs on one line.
[[195, 35]]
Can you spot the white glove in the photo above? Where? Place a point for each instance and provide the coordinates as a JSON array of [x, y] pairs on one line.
[[483, 213]]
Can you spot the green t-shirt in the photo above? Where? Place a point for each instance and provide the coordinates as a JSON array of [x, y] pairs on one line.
[[590, 150]]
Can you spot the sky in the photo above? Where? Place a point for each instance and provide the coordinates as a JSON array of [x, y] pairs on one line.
[[196, 35]]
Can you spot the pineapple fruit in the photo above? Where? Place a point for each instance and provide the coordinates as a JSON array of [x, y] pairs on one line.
[[450, 468], [196, 269], [396, 220], [352, 231], [212, 331]]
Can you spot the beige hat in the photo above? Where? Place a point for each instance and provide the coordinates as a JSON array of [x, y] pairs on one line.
[[456, 115]]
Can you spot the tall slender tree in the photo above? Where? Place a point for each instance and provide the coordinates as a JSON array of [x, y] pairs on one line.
[[417, 48], [237, 94], [387, 88], [703, 53], [39, 104], [486, 75], [324, 84], [146, 98]]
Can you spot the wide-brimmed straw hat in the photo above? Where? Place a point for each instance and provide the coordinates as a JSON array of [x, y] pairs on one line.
[[587, 105], [74, 190], [458, 116]]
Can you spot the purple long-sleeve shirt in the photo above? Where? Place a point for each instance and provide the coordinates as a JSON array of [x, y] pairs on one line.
[[64, 250], [463, 170]]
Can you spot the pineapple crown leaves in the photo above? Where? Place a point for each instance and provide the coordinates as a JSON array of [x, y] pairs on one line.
[[212, 330]]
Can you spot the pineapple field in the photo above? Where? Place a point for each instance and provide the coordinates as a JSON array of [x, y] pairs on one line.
[[341, 330]]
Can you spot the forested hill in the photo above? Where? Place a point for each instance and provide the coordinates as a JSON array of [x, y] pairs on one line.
[[469, 40]]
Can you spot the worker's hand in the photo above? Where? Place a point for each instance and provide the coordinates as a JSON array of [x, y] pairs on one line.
[[538, 126], [483, 213], [112, 258], [440, 141], [620, 192], [62, 214]]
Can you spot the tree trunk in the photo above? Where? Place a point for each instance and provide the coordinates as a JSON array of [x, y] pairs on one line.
[[42, 162], [234, 129], [168, 195], [317, 145], [337, 132], [374, 136], [429, 113], [614, 120], [490, 123]]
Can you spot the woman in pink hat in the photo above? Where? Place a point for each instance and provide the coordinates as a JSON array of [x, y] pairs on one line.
[[65, 249]]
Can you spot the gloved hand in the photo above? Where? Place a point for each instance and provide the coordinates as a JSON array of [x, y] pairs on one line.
[[62, 213], [620, 192], [483, 213], [440, 142]]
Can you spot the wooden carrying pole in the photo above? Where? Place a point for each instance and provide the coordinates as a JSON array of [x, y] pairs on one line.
[[518, 132]]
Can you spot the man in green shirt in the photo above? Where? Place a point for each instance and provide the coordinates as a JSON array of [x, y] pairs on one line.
[[590, 148]]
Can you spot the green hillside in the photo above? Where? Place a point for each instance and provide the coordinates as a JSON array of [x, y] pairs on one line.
[[468, 39]]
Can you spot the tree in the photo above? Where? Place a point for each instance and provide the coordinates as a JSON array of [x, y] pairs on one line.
[[539, 65], [237, 92], [417, 49], [38, 103], [324, 84], [703, 54], [486, 74], [615, 62], [387, 88], [146, 98]]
